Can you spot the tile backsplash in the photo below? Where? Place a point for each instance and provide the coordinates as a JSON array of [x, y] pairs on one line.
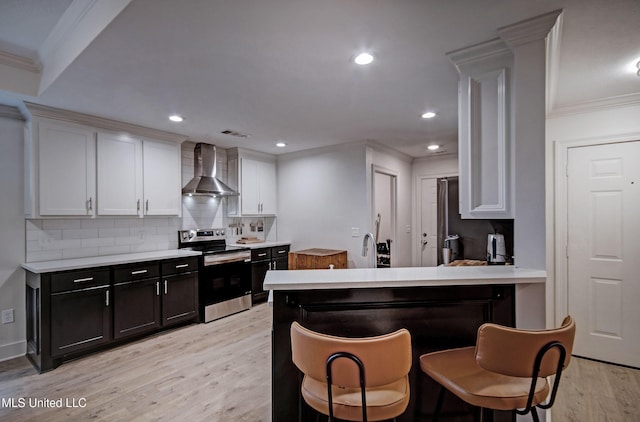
[[77, 238]]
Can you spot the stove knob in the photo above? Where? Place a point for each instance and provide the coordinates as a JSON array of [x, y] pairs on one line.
[[217, 232], [222, 232]]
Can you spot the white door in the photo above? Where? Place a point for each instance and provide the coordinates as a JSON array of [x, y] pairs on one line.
[[428, 235], [604, 251]]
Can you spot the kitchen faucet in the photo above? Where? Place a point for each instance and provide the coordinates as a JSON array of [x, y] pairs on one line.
[[368, 238]]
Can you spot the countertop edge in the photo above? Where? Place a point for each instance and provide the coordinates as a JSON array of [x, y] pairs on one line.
[[265, 244], [43, 267], [399, 277]]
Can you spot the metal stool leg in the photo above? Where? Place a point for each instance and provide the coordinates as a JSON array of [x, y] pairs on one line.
[[436, 412]]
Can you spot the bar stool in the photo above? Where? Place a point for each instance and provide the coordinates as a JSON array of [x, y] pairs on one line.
[[353, 379], [506, 370]]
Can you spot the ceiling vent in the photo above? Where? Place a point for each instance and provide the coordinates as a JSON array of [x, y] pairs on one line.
[[234, 133]]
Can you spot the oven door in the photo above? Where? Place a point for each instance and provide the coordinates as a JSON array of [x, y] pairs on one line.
[[222, 282]]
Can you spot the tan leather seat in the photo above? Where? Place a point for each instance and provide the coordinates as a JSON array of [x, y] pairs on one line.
[[386, 360], [499, 372]]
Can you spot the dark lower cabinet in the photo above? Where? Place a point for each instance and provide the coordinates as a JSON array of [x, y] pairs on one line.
[[438, 318], [72, 313], [180, 298], [81, 319], [263, 260], [258, 272], [136, 307]]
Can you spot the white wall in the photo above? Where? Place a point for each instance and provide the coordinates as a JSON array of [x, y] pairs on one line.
[[12, 246], [322, 195], [607, 124]]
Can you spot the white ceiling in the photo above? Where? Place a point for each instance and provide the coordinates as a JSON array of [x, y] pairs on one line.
[[282, 70]]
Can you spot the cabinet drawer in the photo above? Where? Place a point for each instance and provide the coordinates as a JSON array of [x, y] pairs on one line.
[[261, 254], [279, 251], [139, 271], [74, 280], [182, 265]]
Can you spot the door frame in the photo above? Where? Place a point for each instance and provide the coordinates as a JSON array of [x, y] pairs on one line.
[[416, 240], [394, 202], [557, 290]]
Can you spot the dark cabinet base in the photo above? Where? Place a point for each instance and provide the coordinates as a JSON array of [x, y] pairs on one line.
[[438, 318], [74, 313]]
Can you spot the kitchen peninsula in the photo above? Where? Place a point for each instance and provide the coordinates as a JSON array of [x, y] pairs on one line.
[[442, 307]]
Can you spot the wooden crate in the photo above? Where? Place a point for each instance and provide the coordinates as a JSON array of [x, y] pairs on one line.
[[315, 258]]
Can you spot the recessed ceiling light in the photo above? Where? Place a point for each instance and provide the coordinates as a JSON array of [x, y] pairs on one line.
[[281, 144], [363, 59], [429, 115], [433, 147], [176, 118]]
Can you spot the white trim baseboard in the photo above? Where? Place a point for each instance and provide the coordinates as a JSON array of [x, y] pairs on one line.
[[13, 350]]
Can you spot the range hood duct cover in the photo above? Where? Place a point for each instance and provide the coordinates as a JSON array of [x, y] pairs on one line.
[[204, 181]]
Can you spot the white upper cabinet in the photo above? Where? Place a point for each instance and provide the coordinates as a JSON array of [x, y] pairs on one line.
[[66, 175], [484, 143], [162, 178], [258, 187], [80, 165], [254, 176], [119, 175]]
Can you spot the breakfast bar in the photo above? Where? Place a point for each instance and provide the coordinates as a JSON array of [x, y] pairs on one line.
[[442, 307]]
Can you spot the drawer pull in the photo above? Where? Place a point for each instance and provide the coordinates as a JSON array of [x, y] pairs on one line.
[[182, 266], [83, 280], [283, 251], [262, 254], [138, 272]]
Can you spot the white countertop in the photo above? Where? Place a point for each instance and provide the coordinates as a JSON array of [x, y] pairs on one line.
[[400, 277], [99, 261], [266, 244]]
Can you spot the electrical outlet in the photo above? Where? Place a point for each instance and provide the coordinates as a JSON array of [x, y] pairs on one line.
[[355, 231], [407, 229], [7, 316]]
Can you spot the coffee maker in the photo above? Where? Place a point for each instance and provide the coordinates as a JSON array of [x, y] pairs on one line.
[[496, 250]]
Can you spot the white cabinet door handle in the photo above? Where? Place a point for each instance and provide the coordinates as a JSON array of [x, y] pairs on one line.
[[106, 302], [157, 288], [165, 287]]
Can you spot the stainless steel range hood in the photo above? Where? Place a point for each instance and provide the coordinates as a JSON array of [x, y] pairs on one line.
[[204, 181]]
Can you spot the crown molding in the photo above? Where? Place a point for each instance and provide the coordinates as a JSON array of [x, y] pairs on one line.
[[595, 105], [19, 62], [554, 43], [385, 149], [10, 112], [478, 52], [79, 25], [38, 110], [529, 30]]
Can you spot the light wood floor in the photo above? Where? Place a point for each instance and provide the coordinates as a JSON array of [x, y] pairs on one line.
[[221, 371]]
